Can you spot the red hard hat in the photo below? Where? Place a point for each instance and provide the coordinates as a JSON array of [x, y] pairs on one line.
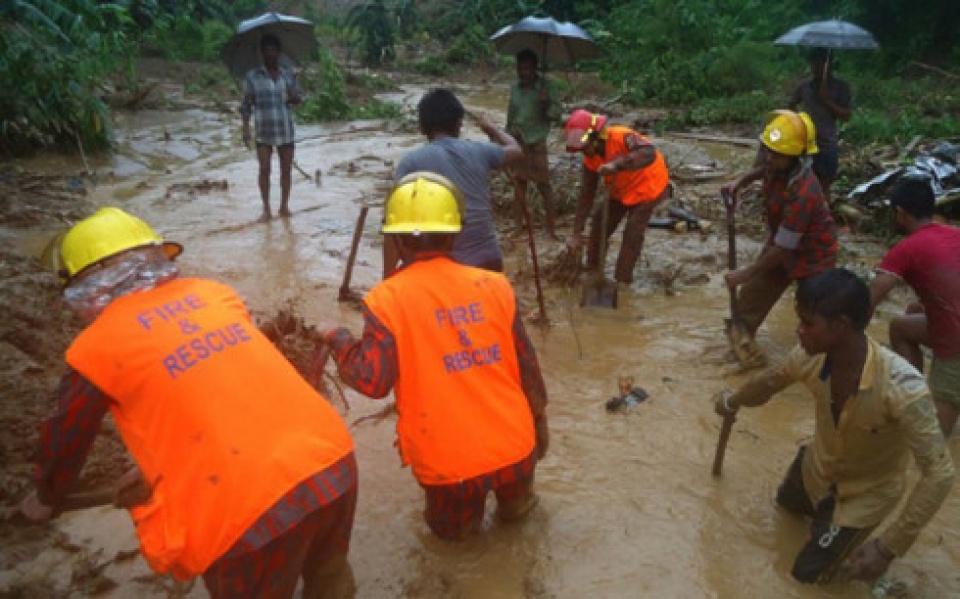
[[580, 126]]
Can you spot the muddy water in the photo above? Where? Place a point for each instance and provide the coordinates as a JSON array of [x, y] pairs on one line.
[[627, 504]]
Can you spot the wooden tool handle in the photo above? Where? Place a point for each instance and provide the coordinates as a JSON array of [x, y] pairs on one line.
[[725, 429], [357, 234]]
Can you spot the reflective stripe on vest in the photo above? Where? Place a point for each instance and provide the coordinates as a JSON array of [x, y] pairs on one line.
[[630, 187], [216, 418], [462, 410]]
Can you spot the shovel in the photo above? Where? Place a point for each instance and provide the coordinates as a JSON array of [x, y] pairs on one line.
[[598, 291], [346, 294], [738, 333]]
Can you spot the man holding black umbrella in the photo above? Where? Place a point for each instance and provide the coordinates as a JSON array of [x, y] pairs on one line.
[[271, 91], [827, 100], [533, 108]]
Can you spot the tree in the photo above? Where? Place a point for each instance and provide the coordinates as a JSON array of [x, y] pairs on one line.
[[371, 26]]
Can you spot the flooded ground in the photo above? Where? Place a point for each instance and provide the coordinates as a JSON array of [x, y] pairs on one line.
[[628, 506]]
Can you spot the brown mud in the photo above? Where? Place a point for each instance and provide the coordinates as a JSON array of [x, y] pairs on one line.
[[628, 506]]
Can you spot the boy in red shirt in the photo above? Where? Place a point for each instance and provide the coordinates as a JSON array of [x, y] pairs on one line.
[[928, 259]]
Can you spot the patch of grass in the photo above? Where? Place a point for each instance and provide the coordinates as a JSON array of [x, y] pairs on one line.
[[377, 109], [366, 80], [433, 65]]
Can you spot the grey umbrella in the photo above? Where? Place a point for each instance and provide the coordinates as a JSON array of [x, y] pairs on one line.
[[833, 34], [242, 51], [555, 42]]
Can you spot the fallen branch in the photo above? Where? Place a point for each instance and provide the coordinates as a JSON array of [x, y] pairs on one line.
[[908, 148], [748, 142], [347, 132], [935, 69]]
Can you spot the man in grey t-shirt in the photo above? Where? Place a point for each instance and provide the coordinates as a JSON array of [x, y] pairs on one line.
[[468, 164]]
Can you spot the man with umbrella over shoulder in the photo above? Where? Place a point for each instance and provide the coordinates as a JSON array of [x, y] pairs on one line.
[[827, 100], [532, 109], [270, 91]]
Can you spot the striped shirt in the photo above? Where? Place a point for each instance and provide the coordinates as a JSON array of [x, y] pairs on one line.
[[270, 99]]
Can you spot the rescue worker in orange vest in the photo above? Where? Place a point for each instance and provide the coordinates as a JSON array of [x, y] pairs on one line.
[[252, 473], [449, 340], [637, 180]]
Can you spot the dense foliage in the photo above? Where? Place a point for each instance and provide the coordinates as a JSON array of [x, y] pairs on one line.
[[373, 30], [708, 61], [52, 57], [57, 57]]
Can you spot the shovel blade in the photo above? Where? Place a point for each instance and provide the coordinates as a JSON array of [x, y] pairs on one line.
[[600, 293], [743, 344]]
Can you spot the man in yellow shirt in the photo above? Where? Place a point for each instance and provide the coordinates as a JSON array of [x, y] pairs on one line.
[[873, 410]]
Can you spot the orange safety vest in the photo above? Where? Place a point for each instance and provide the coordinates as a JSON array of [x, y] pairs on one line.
[[630, 187], [219, 422], [462, 411]]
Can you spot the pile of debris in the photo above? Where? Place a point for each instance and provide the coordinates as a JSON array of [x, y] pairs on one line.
[[940, 166], [30, 200], [300, 344]]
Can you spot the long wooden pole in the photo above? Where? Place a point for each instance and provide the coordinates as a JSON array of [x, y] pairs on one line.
[[345, 293], [533, 256], [531, 241], [729, 419]]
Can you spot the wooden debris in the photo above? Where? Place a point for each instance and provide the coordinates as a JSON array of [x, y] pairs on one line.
[[747, 142]]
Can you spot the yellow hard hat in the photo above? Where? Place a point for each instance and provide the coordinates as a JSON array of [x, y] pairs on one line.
[[108, 232], [424, 202], [790, 133]]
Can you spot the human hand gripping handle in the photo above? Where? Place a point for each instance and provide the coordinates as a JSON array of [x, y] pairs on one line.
[[723, 407], [869, 561], [245, 135], [131, 489]]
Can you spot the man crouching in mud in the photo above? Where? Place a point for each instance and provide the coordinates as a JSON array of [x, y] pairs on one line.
[[873, 410], [253, 476], [449, 340]]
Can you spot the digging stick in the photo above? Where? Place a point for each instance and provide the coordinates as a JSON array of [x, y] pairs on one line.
[[345, 293], [725, 429], [528, 223], [729, 419], [302, 172]]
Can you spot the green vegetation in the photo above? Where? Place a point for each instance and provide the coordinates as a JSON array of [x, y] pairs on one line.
[[326, 96], [325, 93], [373, 32], [708, 61], [714, 62], [53, 57]]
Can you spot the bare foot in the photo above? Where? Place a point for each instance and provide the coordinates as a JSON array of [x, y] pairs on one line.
[[284, 212], [264, 218]]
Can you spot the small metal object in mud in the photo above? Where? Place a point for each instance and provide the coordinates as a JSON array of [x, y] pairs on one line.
[[629, 397]]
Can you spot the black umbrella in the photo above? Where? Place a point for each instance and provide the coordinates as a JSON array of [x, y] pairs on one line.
[[555, 42], [833, 35], [242, 51]]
